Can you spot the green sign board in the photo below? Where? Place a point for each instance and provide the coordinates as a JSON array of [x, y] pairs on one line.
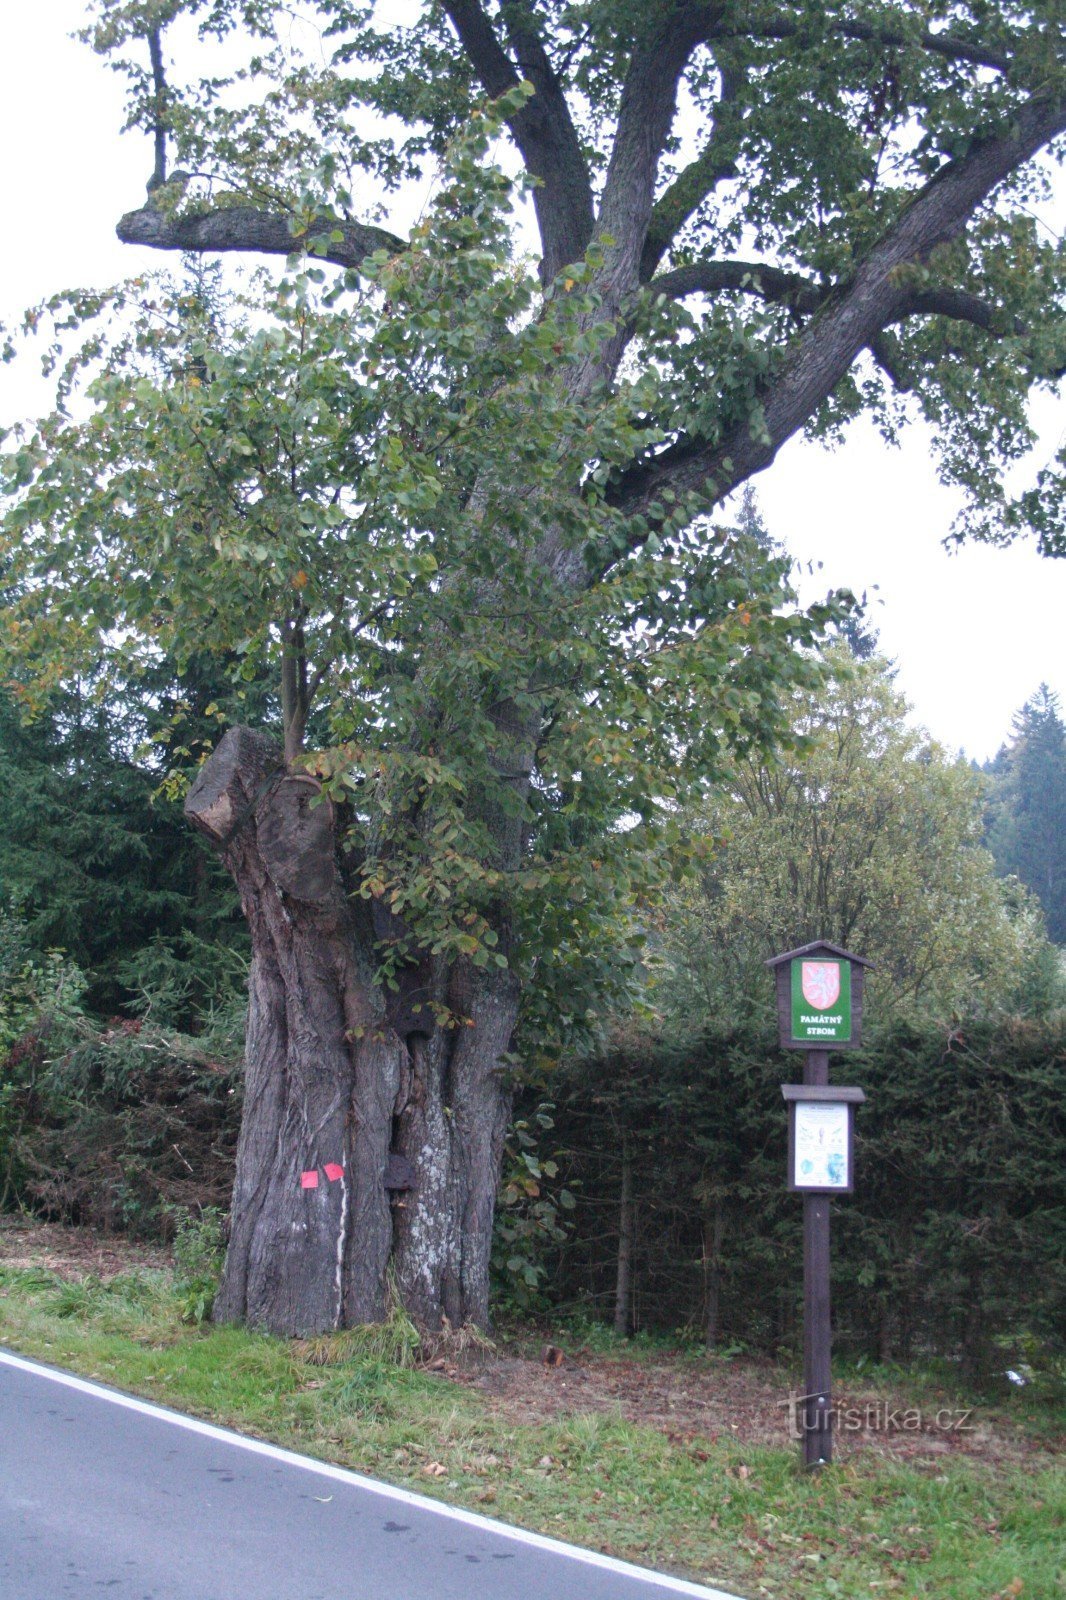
[[821, 1000]]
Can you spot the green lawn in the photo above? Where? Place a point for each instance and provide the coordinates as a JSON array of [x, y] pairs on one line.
[[742, 1517]]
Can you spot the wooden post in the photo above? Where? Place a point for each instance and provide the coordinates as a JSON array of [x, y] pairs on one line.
[[818, 1420], [713, 1228], [819, 1009], [623, 1289]]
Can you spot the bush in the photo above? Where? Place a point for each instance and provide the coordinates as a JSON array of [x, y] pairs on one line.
[[40, 1013], [532, 1212], [199, 1254], [952, 1242], [122, 1126]]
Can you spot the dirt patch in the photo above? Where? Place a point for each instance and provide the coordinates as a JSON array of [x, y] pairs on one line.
[[74, 1253], [698, 1401]]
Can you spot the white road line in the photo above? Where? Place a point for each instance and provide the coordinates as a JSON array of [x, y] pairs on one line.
[[386, 1491]]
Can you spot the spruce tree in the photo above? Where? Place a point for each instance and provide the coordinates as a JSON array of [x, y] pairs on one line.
[[1027, 834]]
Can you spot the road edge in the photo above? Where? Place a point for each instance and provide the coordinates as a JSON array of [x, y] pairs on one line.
[[387, 1491]]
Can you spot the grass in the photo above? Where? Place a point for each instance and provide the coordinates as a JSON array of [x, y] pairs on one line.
[[743, 1518]]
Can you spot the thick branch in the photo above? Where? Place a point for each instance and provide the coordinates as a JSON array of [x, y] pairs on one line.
[[645, 114], [958, 305], [485, 52], [791, 289], [850, 320], [885, 356], [246, 229], [946, 45], [804, 295], [962, 306], [715, 162], [543, 130], [228, 787], [765, 25]]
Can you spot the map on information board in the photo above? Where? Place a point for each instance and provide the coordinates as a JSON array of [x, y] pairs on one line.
[[821, 1146]]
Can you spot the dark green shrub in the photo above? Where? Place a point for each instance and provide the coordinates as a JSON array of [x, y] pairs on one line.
[[952, 1243]]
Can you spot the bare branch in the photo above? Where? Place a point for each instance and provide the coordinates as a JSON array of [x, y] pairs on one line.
[[853, 316], [791, 289], [543, 129], [246, 229]]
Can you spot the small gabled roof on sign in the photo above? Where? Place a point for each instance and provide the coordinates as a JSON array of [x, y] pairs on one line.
[[822, 946]]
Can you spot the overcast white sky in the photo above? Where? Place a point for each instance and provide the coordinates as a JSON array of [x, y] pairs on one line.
[[973, 632]]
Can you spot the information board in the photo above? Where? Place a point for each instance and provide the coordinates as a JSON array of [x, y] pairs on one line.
[[821, 1145]]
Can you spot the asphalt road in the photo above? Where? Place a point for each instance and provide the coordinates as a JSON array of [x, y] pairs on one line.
[[102, 1494]]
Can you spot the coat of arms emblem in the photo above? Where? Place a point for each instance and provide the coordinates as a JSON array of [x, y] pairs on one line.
[[821, 983]]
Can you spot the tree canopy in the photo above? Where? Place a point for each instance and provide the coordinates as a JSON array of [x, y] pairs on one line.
[[834, 199]]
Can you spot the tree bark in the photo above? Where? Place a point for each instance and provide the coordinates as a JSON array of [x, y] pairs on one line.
[[339, 1081]]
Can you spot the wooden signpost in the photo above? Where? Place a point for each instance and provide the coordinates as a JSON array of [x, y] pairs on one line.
[[819, 1009]]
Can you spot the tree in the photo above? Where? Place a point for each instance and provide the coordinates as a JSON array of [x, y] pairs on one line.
[[95, 855], [1027, 834], [459, 507], [857, 633], [866, 834], [93, 867]]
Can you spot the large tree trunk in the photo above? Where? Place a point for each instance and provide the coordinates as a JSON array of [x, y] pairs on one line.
[[369, 1136]]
